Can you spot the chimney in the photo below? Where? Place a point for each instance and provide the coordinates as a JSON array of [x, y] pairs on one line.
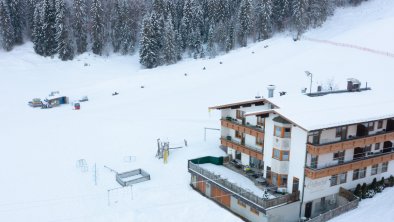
[[271, 89]]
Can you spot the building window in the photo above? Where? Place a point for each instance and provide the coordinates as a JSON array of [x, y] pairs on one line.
[[285, 155], [314, 161], [367, 148], [278, 131], [371, 126], [334, 180], [340, 156], [374, 169], [276, 154], [380, 124], [254, 210], [314, 137], [338, 132], [359, 173], [342, 178], [356, 174], [283, 180], [259, 141], [363, 172], [238, 134], [260, 121], [287, 133], [385, 167], [240, 114], [377, 146], [241, 203]]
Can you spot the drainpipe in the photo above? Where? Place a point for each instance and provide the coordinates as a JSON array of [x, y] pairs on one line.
[[303, 185]]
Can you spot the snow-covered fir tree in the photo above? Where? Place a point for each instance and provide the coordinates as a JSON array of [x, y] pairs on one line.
[[127, 40], [16, 10], [169, 44], [300, 16], [38, 30], [211, 48], [264, 19], [80, 25], [6, 30], [281, 13], [116, 25], [149, 52], [97, 28], [245, 22], [49, 30], [64, 47]]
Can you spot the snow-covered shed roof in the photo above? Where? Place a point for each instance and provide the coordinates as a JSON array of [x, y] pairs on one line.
[[312, 113]]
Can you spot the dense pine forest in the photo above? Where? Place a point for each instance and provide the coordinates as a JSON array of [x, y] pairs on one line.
[[161, 31]]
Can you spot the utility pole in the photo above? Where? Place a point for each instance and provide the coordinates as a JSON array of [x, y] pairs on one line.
[[309, 74], [95, 174]]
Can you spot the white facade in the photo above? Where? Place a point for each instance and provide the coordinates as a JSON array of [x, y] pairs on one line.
[[285, 153]]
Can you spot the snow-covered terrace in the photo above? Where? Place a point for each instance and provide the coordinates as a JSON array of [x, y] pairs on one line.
[[237, 179], [312, 113]]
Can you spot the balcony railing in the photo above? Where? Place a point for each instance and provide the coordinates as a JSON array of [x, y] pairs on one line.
[[334, 146], [358, 163], [251, 151], [253, 130], [237, 191]]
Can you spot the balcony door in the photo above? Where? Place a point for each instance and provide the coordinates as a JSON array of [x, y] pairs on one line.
[[296, 183], [358, 153]]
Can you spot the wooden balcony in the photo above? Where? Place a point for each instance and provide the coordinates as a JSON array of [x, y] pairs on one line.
[[242, 148], [349, 166], [349, 144], [248, 129]]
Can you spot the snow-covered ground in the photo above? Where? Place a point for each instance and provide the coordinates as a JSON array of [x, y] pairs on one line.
[[40, 148]]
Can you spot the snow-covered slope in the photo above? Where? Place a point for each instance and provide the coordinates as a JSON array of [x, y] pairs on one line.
[[39, 178]]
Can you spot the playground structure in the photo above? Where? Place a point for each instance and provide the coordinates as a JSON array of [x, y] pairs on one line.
[[132, 177], [82, 165], [163, 149]]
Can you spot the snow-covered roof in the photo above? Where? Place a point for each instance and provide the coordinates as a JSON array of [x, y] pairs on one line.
[[240, 103], [312, 113]]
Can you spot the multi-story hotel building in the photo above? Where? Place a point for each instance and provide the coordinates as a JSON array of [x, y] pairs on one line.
[[316, 146]]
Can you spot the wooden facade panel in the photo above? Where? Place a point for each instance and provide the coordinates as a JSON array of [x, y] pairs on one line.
[[316, 174], [242, 149], [243, 129], [359, 143], [340, 146]]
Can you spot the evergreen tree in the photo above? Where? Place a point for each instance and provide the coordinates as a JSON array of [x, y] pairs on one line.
[[16, 9], [97, 28], [116, 26], [63, 40], [264, 22], [149, 55], [49, 29], [38, 30], [186, 24], [29, 16], [127, 41], [230, 38], [79, 25], [300, 16], [169, 49], [245, 22], [281, 12], [211, 48], [6, 29]]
